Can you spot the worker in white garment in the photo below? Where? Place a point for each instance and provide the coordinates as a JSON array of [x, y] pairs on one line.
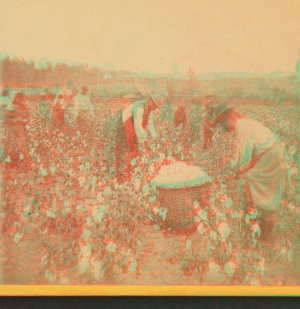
[[6, 118], [133, 115], [6, 102], [258, 159], [62, 105], [82, 111], [143, 120]]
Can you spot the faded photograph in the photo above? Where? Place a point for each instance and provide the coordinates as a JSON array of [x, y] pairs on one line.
[[138, 150]]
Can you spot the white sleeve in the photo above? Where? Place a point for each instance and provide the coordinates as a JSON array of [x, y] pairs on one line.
[[139, 130], [242, 152]]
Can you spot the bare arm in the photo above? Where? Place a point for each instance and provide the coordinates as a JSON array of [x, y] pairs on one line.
[[249, 165]]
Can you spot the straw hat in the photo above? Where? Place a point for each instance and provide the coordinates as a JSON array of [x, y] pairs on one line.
[[220, 109], [157, 99]]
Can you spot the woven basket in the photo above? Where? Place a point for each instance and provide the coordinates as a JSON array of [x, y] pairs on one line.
[[175, 200]]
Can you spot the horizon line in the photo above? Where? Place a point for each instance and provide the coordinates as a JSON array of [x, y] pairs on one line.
[[104, 67]]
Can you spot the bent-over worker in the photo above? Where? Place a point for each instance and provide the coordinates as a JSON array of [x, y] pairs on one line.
[[258, 158]]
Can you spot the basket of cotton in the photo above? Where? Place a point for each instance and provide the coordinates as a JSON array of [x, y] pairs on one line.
[[178, 185]]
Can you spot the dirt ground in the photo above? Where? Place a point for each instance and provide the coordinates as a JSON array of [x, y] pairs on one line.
[[158, 264]]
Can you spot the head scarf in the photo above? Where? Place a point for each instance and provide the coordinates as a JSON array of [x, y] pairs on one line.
[[219, 110]]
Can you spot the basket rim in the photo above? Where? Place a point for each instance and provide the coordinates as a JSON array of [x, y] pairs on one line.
[[180, 185]]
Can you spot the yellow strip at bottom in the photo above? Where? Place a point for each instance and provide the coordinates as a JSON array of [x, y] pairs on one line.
[[119, 290]]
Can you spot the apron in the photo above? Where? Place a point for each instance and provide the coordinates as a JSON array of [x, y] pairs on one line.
[[131, 137], [9, 132], [126, 137], [266, 182], [126, 148], [58, 116]]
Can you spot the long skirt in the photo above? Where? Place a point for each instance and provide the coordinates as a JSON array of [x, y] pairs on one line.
[[126, 149], [21, 138], [265, 187], [58, 118], [9, 139], [266, 182], [131, 137]]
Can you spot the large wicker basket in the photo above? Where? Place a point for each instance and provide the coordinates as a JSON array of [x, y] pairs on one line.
[[175, 200]]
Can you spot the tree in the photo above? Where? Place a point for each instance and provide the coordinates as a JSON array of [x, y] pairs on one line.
[[192, 82], [297, 68], [61, 72], [175, 70]]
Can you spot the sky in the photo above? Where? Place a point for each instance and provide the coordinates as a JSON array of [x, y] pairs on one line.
[[254, 36]]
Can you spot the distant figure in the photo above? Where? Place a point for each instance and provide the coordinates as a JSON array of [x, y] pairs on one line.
[[6, 101], [6, 126], [180, 117], [181, 122], [208, 121], [68, 92], [21, 121], [82, 111], [58, 112], [62, 103], [15, 121], [196, 120], [44, 108]]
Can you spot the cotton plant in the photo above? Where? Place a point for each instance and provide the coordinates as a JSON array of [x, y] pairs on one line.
[[59, 219], [113, 226], [219, 221], [116, 229], [129, 205], [284, 247]]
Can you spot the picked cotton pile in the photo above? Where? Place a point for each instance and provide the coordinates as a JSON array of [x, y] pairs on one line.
[[180, 172]]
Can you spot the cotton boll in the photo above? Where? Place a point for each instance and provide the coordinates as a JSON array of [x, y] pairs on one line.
[[181, 172], [224, 230], [96, 268], [201, 228], [17, 237], [213, 235], [161, 156], [63, 279], [85, 254], [262, 264], [98, 213], [83, 264], [214, 267], [86, 250], [230, 267], [202, 214], [51, 277]]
